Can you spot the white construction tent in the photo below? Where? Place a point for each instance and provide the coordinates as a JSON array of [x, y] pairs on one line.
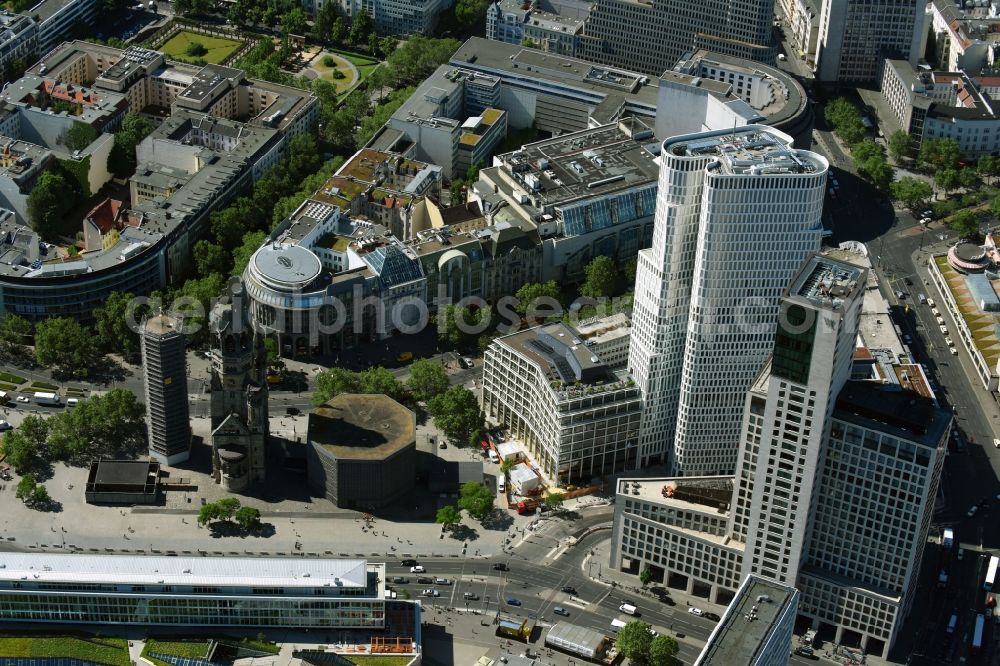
[[523, 479], [576, 640], [509, 451]]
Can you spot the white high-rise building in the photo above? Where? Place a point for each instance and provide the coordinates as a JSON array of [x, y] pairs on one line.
[[737, 212], [856, 36]]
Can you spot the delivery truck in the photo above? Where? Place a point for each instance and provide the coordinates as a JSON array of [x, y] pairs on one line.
[[46, 399]]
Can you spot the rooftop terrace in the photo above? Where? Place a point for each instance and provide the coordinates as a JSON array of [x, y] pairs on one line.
[[585, 164], [753, 150]]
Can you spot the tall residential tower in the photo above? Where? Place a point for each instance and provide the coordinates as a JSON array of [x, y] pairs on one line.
[[165, 383], [737, 212]]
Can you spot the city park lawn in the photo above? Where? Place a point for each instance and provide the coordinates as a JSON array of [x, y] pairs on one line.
[[219, 48]]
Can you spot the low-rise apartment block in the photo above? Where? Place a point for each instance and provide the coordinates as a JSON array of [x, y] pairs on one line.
[[391, 17], [939, 105], [577, 417], [18, 39], [57, 18], [450, 120], [965, 36], [519, 22]]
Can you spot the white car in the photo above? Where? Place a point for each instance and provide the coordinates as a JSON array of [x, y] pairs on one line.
[[935, 312], [418, 569], [694, 610], [944, 329], [23, 398], [949, 342], [431, 592], [930, 302], [5, 426], [972, 511], [954, 352]]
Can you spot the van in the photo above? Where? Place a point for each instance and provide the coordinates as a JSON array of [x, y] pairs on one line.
[[616, 625], [501, 486], [922, 298], [72, 402], [628, 609], [952, 623]]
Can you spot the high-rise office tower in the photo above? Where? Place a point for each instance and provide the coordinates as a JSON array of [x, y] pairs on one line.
[[165, 386], [737, 212], [836, 483], [239, 392], [787, 408], [856, 36], [651, 36]]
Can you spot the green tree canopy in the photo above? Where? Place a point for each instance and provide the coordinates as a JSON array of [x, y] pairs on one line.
[[334, 381], [108, 425], [210, 258], [634, 641], [380, 380], [911, 192], [601, 277], [427, 379], [40, 497], [663, 651], [417, 58], [940, 153], [946, 179], [25, 488], [247, 517], [900, 145], [477, 499], [965, 223], [361, 27], [456, 412], [967, 178], [62, 343], [294, 22], [471, 14], [646, 575], [532, 292], [846, 120], [448, 515], [14, 331], [195, 49], [113, 328], [554, 501], [197, 304], [80, 135], [455, 325], [241, 255], [50, 200]]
